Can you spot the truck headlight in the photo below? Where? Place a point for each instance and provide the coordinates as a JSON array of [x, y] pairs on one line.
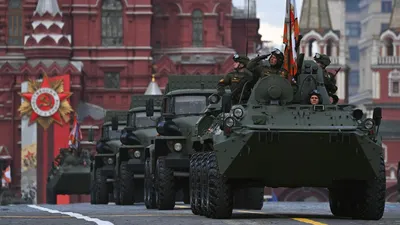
[[110, 161], [238, 113], [229, 122], [137, 154], [214, 98], [178, 147], [369, 124]]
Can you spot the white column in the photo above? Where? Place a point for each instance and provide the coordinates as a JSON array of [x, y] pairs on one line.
[[341, 84], [376, 85]]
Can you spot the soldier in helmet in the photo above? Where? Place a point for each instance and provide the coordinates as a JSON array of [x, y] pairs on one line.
[[234, 78], [275, 59], [329, 79], [314, 98]]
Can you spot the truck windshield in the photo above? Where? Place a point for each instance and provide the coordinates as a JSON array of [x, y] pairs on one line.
[[190, 104], [143, 121], [115, 134]]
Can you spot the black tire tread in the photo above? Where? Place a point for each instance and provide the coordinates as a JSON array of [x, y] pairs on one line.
[[126, 184], [101, 190], [166, 186]]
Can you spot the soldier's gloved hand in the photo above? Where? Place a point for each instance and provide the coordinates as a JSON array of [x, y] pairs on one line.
[[259, 58]]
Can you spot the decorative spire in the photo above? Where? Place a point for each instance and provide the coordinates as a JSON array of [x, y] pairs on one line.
[[153, 88], [48, 31], [47, 6], [315, 16], [395, 17]]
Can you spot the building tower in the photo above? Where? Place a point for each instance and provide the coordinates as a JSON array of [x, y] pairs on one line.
[[322, 35], [385, 67], [153, 88]]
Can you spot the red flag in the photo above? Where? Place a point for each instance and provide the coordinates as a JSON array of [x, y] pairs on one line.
[[290, 37]]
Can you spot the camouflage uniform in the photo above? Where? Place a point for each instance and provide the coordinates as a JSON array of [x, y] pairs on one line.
[[260, 71], [329, 78], [234, 78]]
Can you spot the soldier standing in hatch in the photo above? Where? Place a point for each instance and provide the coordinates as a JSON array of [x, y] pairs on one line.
[[276, 59], [329, 79], [233, 78]]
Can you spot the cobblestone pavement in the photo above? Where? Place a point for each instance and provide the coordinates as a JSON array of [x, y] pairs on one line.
[[288, 213]]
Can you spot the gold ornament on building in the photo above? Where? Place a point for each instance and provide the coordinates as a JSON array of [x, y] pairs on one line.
[[46, 102]]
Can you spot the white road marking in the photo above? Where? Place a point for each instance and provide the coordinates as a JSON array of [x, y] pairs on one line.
[[72, 214]]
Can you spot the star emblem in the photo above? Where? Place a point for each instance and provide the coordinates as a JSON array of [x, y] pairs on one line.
[[46, 102]]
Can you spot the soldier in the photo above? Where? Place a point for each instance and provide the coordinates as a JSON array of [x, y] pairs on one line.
[[276, 59], [329, 79], [314, 98], [234, 78]]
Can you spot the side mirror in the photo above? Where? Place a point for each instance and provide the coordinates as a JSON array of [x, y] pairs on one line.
[[226, 103], [114, 123], [377, 116], [150, 107], [90, 135]]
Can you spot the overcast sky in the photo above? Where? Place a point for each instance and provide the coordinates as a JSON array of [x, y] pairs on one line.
[[272, 16]]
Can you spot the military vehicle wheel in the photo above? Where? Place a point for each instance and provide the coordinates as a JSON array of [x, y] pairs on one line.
[[51, 196], [249, 198], [340, 202], [194, 180], [126, 184], [220, 196], [203, 184], [116, 190], [165, 186], [370, 197], [149, 190], [100, 188]]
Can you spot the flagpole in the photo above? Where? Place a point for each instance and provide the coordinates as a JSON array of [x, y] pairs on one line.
[[289, 39]]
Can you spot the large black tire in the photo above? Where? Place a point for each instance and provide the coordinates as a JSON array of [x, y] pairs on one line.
[[126, 184], [365, 201], [203, 184], [100, 188], [220, 196], [149, 189], [193, 182], [249, 198], [165, 186], [51, 196], [116, 189]]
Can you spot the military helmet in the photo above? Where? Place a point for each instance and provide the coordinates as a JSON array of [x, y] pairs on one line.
[[278, 54], [241, 59], [322, 59]]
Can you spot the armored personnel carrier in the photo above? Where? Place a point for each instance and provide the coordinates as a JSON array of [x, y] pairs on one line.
[[137, 136], [69, 174], [278, 139], [167, 170], [102, 167]]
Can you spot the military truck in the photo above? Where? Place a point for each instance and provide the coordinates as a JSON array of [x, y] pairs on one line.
[[278, 139], [102, 167], [167, 170], [69, 174], [138, 134]]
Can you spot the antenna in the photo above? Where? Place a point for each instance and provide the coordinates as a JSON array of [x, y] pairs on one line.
[[246, 27]]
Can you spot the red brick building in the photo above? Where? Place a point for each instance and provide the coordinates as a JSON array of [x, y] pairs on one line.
[[108, 48], [385, 66]]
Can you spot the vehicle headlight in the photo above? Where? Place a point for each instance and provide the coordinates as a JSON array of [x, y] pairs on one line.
[[110, 161], [214, 99], [238, 112], [229, 122], [178, 147], [369, 124], [137, 154]]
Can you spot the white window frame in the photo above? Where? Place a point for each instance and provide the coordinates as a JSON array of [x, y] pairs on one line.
[[394, 76]]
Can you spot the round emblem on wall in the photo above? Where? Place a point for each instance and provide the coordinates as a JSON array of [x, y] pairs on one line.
[[45, 102]]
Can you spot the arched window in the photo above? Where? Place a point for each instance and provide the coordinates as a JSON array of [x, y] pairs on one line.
[[197, 24], [389, 47], [111, 23], [15, 35], [394, 83], [329, 47], [312, 47]]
